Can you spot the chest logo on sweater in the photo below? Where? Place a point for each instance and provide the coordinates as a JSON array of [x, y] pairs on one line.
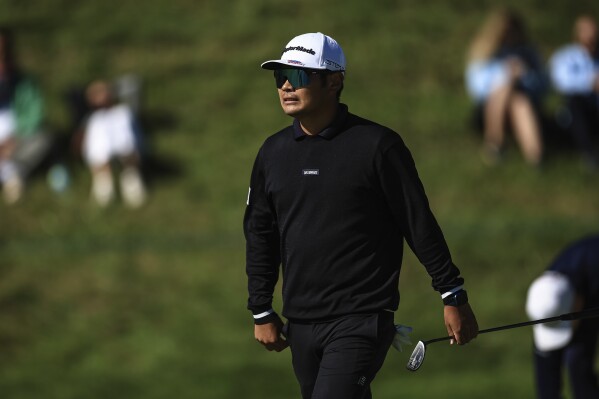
[[311, 172]]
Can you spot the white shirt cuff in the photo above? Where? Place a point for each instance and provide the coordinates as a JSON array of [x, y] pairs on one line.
[[448, 293], [263, 314]]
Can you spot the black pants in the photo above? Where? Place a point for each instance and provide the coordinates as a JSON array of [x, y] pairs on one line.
[[578, 357], [338, 359], [584, 112]]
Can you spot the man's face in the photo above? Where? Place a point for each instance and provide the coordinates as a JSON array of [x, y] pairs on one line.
[[305, 100], [586, 32], [98, 94]]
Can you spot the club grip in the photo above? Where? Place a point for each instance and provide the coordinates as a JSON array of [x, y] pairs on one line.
[[446, 338]]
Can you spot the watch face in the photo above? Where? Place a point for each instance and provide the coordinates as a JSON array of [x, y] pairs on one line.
[[461, 298], [457, 299]]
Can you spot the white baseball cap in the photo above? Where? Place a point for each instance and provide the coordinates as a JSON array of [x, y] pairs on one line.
[[550, 295], [310, 50]]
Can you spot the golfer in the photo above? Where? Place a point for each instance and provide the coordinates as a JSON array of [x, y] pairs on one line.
[[332, 198], [570, 284]]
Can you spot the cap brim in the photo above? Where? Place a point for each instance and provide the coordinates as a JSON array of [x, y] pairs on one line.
[[552, 336], [278, 64]]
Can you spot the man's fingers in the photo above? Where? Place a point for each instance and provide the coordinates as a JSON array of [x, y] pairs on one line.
[[450, 333], [276, 346], [465, 335], [281, 345], [270, 335], [461, 324], [461, 337]]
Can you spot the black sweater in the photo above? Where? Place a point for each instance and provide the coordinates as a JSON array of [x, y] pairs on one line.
[[334, 210]]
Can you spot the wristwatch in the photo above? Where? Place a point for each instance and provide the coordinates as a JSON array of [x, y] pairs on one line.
[[456, 299]]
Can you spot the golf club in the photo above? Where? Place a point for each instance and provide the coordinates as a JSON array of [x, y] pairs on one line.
[[417, 357]]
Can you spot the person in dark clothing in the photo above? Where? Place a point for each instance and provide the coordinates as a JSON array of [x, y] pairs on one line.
[[570, 284], [332, 198], [575, 75]]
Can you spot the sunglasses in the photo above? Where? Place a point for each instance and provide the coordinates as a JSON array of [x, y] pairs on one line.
[[297, 77]]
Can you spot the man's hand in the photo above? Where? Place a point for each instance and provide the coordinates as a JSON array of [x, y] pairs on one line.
[[461, 323], [270, 335]]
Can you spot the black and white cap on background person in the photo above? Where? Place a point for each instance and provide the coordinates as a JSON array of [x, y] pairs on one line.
[[550, 295], [311, 51]]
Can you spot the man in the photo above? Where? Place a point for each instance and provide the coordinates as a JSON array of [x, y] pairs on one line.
[[332, 198], [575, 74], [570, 284]]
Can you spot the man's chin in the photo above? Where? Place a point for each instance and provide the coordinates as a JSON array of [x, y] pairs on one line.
[[292, 111]]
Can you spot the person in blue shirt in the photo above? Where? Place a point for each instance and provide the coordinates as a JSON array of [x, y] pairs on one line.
[[575, 75], [570, 284]]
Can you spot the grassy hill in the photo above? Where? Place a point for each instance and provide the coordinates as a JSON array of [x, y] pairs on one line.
[[151, 303]]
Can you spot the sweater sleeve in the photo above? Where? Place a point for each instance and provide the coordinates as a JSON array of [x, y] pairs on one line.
[[410, 208], [262, 246]]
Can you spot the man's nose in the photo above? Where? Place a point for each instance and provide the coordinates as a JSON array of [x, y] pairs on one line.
[[287, 86]]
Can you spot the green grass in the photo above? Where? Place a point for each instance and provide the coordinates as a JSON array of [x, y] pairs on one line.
[[151, 303]]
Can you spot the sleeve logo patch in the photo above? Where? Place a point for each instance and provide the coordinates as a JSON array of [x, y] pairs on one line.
[[311, 172]]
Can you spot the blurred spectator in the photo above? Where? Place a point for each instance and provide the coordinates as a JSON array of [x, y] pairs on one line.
[[570, 284], [111, 134], [504, 77], [126, 89], [23, 142], [575, 74]]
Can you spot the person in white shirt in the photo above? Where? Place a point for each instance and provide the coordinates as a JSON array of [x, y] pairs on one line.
[[575, 75], [110, 136]]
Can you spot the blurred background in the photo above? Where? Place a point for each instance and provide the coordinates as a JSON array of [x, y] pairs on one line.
[[149, 300]]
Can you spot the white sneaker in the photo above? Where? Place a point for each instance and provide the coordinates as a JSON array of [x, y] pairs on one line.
[[102, 188], [132, 187]]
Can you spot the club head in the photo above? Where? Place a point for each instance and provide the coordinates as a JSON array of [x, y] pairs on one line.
[[417, 357]]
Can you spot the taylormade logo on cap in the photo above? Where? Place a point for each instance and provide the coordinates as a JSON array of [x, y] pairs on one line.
[[310, 50], [299, 48]]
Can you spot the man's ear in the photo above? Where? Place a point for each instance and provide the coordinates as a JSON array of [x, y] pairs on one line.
[[335, 81]]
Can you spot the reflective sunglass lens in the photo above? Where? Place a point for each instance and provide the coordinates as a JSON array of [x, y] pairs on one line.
[[296, 77]]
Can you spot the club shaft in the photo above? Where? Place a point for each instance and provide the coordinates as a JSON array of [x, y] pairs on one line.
[[585, 314]]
